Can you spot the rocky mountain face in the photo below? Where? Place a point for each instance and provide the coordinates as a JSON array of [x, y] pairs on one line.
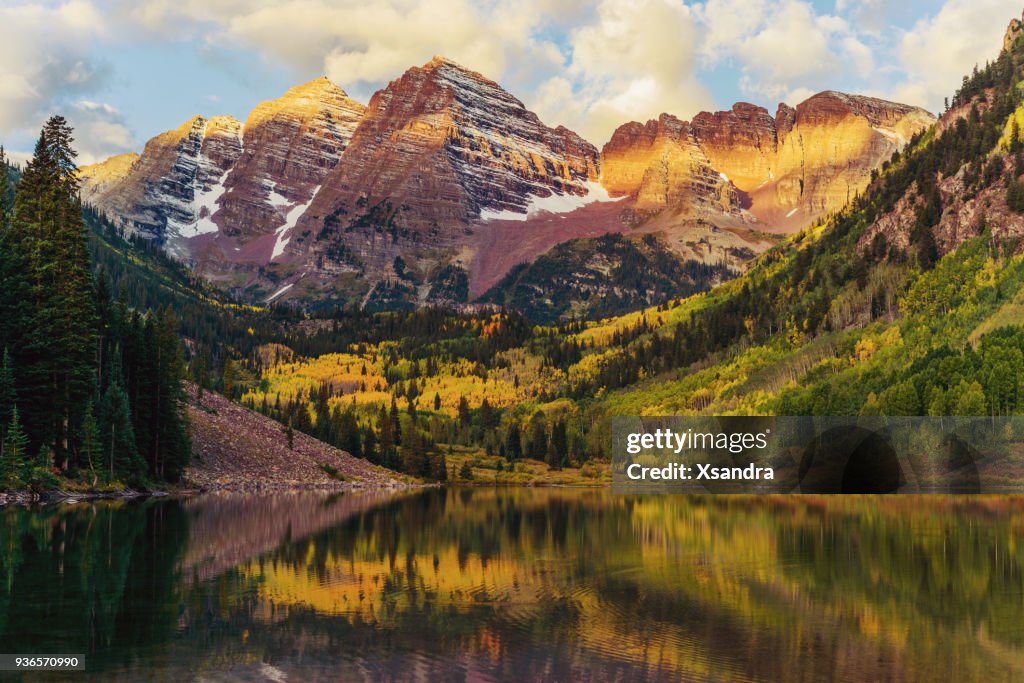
[[209, 178], [598, 277], [439, 148], [165, 193], [786, 170], [445, 182], [661, 163], [290, 146]]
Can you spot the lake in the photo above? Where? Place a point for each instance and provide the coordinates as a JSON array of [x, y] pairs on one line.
[[520, 585]]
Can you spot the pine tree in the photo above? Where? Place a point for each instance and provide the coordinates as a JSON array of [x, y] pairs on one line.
[[513, 442], [49, 287], [13, 462], [441, 468], [92, 448], [538, 437], [558, 446], [8, 393], [229, 379], [118, 436]]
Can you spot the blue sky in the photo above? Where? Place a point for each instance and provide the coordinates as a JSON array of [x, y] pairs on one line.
[[125, 70]]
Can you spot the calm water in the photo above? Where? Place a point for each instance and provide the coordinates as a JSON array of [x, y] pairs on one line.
[[520, 585]]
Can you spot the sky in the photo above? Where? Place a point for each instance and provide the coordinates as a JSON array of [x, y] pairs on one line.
[[123, 71]]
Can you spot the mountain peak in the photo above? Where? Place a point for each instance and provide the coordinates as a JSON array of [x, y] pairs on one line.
[[318, 89], [318, 85], [306, 101], [443, 65], [441, 60]]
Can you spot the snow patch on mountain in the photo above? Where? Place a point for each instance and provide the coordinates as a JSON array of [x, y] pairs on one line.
[[292, 213], [553, 203]]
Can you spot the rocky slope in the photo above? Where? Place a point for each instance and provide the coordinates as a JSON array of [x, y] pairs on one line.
[[233, 447], [786, 170], [290, 146], [600, 277]]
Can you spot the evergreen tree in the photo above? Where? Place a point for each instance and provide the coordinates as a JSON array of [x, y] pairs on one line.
[[538, 447], [92, 448], [118, 436], [229, 379], [558, 446], [8, 394], [441, 468], [13, 461], [370, 445], [415, 455], [513, 442], [49, 288]]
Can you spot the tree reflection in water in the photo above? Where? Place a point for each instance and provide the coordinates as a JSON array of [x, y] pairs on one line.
[[523, 584]]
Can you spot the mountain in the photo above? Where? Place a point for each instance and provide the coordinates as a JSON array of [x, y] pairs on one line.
[[161, 194], [446, 182], [439, 149], [661, 164], [785, 171], [215, 187], [907, 302]]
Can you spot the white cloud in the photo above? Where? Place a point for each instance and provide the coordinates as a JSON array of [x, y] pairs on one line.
[[938, 51], [588, 64], [623, 59], [363, 45], [784, 49], [100, 131], [45, 59], [635, 61]]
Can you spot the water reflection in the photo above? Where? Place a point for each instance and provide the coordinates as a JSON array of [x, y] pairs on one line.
[[524, 585]]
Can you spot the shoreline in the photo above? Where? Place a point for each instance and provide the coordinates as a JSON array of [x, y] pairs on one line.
[[58, 496]]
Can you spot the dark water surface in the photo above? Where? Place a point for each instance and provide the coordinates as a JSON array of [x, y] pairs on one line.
[[520, 585]]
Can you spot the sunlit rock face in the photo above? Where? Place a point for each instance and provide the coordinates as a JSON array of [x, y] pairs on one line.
[[162, 193], [444, 145], [218, 177], [661, 164], [406, 200], [439, 151], [787, 169], [290, 145]]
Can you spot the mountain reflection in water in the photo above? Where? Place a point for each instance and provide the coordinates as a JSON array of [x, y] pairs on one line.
[[520, 585]]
